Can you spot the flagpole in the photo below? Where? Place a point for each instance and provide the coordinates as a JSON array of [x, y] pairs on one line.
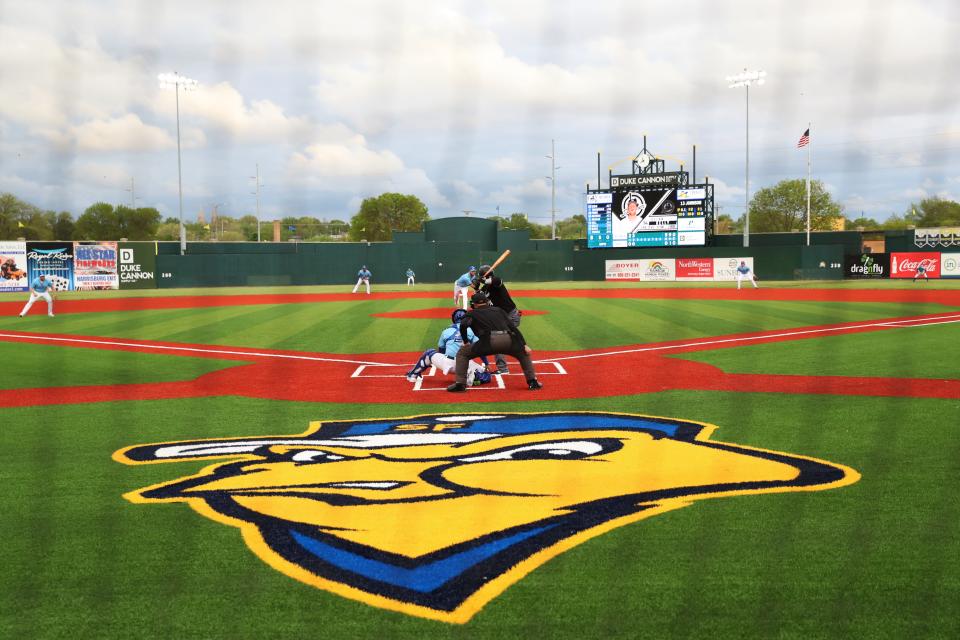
[[808, 188]]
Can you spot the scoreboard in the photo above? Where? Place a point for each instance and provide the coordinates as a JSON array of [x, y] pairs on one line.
[[650, 210]]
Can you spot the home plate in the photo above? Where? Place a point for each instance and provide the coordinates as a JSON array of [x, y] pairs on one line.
[[430, 381]]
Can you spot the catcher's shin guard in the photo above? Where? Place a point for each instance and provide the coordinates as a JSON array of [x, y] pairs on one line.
[[421, 364]]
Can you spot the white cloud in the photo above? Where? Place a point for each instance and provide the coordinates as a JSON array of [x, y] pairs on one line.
[[506, 165], [464, 190], [345, 162], [223, 107], [123, 133], [343, 158], [538, 189]]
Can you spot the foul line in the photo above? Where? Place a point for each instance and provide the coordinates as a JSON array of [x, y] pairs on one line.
[[255, 354], [888, 324], [702, 343]]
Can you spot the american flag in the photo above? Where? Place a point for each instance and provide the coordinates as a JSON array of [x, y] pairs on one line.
[[804, 139]]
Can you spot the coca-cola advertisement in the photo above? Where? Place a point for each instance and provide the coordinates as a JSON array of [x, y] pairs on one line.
[[694, 268], [914, 264]]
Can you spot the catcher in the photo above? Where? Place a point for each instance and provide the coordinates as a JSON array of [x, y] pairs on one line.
[[444, 356]]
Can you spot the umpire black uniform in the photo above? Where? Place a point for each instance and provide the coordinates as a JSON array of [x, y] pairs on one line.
[[495, 334], [499, 297]]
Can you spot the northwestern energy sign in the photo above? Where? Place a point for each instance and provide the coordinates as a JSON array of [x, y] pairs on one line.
[[137, 265], [867, 265]]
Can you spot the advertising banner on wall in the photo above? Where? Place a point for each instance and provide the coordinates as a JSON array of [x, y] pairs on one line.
[[950, 267], [694, 268], [52, 259], [937, 237], [905, 265], [726, 268], [138, 265], [95, 266], [658, 269], [866, 265], [13, 266]]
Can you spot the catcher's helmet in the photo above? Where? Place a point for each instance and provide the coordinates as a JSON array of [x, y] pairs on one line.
[[480, 297], [457, 315], [483, 270]]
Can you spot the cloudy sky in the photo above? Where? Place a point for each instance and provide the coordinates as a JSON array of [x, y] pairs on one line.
[[457, 102]]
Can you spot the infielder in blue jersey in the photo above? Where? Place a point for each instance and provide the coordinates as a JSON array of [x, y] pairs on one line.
[[363, 277], [40, 288], [411, 277], [444, 357], [743, 271], [461, 293]]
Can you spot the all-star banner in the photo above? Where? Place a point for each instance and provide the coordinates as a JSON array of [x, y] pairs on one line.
[[95, 265]]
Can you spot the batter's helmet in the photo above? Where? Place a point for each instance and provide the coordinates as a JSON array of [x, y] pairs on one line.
[[483, 270], [457, 315]]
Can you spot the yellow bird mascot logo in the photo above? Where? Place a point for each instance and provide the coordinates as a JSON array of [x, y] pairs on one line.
[[436, 515]]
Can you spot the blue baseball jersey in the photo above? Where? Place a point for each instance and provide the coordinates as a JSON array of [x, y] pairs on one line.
[[450, 340], [41, 287], [363, 273], [464, 280], [744, 269], [410, 273]]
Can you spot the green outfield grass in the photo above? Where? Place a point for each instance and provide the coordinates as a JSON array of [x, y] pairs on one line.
[[877, 559], [349, 327], [32, 365], [924, 352]]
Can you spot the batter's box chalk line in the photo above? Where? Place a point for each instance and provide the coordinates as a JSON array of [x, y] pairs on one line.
[[361, 372]]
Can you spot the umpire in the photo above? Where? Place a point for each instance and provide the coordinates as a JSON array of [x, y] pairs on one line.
[[487, 281], [495, 334]]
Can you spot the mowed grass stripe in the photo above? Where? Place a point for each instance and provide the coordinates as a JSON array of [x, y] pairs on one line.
[[924, 352], [215, 325], [34, 366]]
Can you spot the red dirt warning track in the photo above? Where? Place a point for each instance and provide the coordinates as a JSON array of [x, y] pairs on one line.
[[378, 378], [947, 297]]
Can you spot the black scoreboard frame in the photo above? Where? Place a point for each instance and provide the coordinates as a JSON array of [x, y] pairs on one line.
[[647, 174]]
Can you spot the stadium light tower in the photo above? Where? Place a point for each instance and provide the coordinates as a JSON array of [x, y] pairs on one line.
[[744, 80], [177, 82]]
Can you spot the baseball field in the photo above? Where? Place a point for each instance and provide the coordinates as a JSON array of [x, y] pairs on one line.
[[780, 462]]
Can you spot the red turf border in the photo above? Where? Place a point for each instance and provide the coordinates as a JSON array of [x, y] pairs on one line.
[[285, 375]]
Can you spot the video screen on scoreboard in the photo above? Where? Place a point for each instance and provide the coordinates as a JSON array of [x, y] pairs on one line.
[[646, 216]]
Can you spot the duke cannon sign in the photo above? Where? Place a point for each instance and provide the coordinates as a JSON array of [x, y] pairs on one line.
[[138, 264]]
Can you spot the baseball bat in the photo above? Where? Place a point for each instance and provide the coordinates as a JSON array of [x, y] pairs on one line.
[[503, 256]]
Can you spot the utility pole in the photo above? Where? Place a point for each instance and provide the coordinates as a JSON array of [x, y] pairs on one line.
[[257, 193], [553, 190], [133, 195]]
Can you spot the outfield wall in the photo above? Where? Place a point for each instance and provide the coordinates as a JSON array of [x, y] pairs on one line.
[[447, 247]]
